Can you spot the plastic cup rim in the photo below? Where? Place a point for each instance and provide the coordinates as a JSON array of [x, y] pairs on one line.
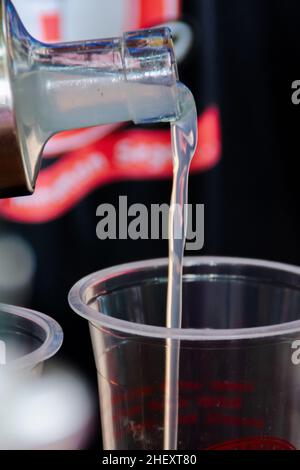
[[98, 319], [51, 344]]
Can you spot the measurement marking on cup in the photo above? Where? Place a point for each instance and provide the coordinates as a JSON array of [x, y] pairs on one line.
[[228, 386], [228, 420], [2, 353], [296, 354], [220, 402]]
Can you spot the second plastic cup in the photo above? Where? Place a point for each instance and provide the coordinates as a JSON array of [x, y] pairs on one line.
[[239, 372], [27, 339]]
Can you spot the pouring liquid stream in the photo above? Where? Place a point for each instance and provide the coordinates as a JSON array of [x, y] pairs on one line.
[[184, 134]]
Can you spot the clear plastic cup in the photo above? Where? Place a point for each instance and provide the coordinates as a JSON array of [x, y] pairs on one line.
[[27, 339], [239, 376]]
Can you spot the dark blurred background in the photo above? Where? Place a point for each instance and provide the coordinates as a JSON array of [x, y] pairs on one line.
[[244, 58]]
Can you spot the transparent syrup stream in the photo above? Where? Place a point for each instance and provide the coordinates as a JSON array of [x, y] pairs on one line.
[[184, 133]]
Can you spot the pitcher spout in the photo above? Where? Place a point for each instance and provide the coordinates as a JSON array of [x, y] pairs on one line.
[[49, 88]]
